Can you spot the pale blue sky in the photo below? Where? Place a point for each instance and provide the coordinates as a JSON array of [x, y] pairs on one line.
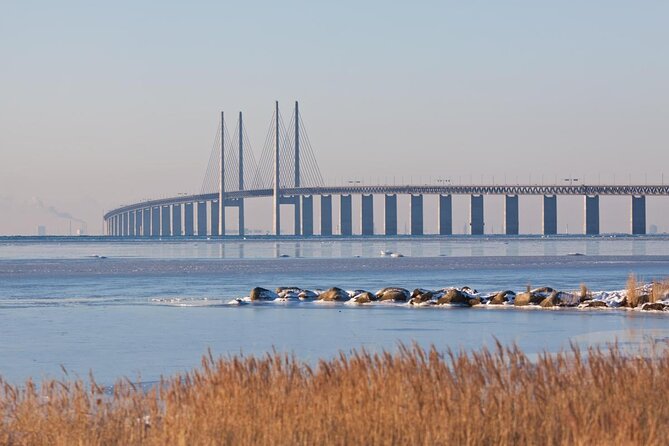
[[103, 103]]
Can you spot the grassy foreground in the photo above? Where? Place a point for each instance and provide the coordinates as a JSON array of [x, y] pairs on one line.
[[410, 397]]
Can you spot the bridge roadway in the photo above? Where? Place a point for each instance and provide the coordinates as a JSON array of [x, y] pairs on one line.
[[163, 217]]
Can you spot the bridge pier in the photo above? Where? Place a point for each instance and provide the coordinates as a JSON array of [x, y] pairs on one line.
[[476, 215], [146, 222], [416, 211], [124, 224], [390, 220], [550, 215], [308, 215], [176, 220], [638, 215], [165, 230], [155, 221], [511, 215], [591, 214], [131, 223], [213, 217], [367, 215], [345, 215], [201, 218], [445, 215], [326, 215], [138, 222], [240, 217], [188, 220], [297, 227]]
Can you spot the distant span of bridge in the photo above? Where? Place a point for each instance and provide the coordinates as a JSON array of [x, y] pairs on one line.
[[288, 172]]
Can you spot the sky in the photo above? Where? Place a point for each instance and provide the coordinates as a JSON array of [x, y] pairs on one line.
[[109, 103]]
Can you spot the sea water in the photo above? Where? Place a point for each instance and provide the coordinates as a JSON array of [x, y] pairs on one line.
[[143, 309]]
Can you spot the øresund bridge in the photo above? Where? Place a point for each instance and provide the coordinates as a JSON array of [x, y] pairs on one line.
[[288, 172]]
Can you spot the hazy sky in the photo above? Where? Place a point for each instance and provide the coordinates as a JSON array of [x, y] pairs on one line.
[[104, 103]]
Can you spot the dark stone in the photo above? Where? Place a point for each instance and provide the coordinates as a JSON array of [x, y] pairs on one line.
[[391, 293], [593, 304], [333, 294], [364, 297], [501, 297], [657, 306], [259, 293], [421, 295], [474, 301], [307, 294], [453, 296]]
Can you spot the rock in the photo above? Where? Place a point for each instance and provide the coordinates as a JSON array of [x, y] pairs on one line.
[[259, 293], [307, 295], [534, 297], [468, 290], [657, 306], [640, 300], [453, 296], [392, 293], [363, 298], [281, 289], [422, 295], [501, 297], [474, 301], [593, 304], [550, 301], [333, 294]]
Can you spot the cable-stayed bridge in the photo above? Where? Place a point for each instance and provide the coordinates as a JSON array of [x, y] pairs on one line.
[[288, 172]]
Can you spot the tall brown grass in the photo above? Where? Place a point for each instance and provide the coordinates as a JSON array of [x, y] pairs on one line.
[[632, 291], [414, 396], [660, 290]]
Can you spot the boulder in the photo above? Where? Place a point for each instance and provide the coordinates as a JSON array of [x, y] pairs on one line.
[[550, 301], [640, 300], [474, 301], [363, 298], [259, 293], [282, 289], [392, 293], [307, 295], [502, 297], [421, 295], [593, 304], [453, 296], [657, 306], [468, 290], [534, 297], [333, 294]]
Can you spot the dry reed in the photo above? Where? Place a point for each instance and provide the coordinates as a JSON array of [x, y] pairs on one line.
[[414, 396]]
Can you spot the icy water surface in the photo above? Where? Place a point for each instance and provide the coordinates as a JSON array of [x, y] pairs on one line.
[[138, 308]]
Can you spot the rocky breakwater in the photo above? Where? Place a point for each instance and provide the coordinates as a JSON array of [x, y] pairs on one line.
[[646, 297]]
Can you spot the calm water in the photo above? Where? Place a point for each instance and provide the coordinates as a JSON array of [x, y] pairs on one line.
[[62, 305]]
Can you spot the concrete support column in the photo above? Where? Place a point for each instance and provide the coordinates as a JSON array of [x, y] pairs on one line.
[[165, 223], [131, 223], [138, 222], [326, 214], [390, 217], [155, 221], [176, 220], [476, 215], [189, 224], [308, 215], [416, 211], [146, 222], [213, 217], [298, 216], [591, 214], [201, 218], [550, 215], [511, 223], [367, 215], [345, 215], [241, 222], [638, 215], [445, 215], [124, 227], [114, 220]]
